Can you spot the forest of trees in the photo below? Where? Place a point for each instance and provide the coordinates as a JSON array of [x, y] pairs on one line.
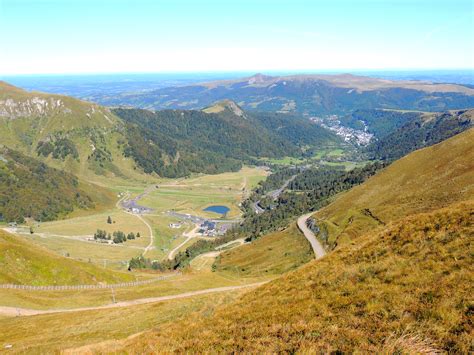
[[117, 237], [379, 122], [175, 143], [29, 188], [418, 134], [273, 181], [156, 153], [59, 148]]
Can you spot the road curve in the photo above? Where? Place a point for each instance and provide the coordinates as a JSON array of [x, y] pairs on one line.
[[318, 249], [15, 312], [150, 230]]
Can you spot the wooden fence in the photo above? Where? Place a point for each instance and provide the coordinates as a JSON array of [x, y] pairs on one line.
[[86, 287]]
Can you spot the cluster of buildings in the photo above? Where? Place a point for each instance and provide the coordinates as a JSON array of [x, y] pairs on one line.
[[208, 229], [332, 122]]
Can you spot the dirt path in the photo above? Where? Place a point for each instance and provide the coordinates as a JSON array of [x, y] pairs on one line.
[[189, 235], [150, 230], [15, 312], [318, 249], [239, 241], [152, 237]]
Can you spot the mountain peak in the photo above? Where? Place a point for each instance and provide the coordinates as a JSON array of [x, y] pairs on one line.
[[226, 104], [259, 78]]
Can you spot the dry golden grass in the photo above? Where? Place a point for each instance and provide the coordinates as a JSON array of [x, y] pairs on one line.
[[423, 181], [24, 263], [273, 254], [51, 333], [407, 288]]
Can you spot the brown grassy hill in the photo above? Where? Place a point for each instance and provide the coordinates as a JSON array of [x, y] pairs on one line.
[[273, 254], [403, 285], [28, 264], [407, 288], [427, 179]]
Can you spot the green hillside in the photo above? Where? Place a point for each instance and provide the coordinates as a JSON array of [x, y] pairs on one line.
[[79, 137], [273, 254], [28, 264], [92, 142], [31, 189]]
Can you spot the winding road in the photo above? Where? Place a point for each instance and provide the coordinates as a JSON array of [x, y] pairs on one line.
[[274, 194], [318, 249]]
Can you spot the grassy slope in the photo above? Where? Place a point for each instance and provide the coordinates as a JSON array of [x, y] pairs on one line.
[[54, 332], [79, 121], [427, 179], [407, 288], [24, 263], [272, 254], [404, 286]]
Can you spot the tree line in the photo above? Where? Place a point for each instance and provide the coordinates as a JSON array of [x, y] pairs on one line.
[[117, 237]]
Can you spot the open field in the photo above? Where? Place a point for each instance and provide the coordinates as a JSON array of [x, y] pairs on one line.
[[54, 332], [88, 225], [284, 161], [195, 194], [22, 262], [347, 165], [166, 238], [115, 255], [68, 237], [319, 157]]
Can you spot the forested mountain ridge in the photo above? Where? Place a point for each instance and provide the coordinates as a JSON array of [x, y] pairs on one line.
[[219, 138], [89, 140], [31, 189], [417, 131], [309, 94]]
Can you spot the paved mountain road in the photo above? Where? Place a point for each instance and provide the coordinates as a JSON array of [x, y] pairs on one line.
[[318, 249]]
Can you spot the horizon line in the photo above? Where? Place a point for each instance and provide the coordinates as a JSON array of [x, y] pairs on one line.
[[255, 71]]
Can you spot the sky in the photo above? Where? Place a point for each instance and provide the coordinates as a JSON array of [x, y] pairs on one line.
[[133, 36]]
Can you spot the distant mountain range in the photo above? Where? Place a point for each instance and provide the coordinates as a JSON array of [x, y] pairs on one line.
[[308, 94], [90, 140]]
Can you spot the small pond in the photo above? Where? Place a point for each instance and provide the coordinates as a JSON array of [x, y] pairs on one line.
[[217, 209]]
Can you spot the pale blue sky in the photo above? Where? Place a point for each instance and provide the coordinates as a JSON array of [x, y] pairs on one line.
[[98, 36]]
